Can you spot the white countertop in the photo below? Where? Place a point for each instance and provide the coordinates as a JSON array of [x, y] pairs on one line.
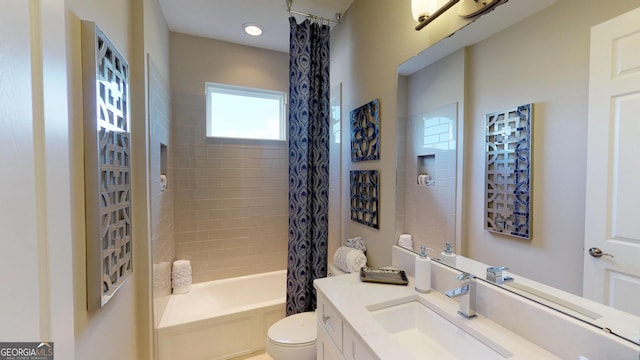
[[351, 297]]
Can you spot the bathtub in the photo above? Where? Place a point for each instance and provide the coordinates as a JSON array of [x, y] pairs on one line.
[[222, 319]]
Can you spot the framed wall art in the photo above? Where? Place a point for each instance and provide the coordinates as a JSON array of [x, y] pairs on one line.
[[107, 147], [365, 132], [364, 197], [508, 171]]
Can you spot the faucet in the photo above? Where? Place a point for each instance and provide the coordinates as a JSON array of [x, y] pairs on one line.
[[495, 275], [467, 292]]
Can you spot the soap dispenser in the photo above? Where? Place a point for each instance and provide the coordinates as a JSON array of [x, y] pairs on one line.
[[423, 271], [447, 256]]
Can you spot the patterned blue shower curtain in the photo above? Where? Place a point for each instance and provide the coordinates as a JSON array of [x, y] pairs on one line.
[[308, 162]]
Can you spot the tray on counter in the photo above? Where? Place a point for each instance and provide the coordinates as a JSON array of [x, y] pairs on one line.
[[384, 276]]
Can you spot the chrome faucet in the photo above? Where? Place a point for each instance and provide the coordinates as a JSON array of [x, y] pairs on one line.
[[467, 292], [495, 274]]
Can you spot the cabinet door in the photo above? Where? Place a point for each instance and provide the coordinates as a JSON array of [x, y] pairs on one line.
[[330, 320], [353, 348], [325, 348]]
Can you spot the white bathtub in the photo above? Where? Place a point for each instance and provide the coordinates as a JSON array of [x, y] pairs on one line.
[[222, 319]]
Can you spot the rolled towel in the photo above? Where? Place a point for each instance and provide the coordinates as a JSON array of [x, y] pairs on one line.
[[349, 259], [162, 278], [356, 243], [406, 241], [181, 276]]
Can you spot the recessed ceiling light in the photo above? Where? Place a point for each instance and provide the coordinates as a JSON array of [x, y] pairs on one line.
[[252, 29]]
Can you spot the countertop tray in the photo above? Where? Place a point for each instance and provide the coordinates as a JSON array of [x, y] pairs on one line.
[[384, 276]]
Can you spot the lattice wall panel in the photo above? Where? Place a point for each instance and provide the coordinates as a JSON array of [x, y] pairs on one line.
[[107, 164], [365, 133], [508, 171], [364, 197]]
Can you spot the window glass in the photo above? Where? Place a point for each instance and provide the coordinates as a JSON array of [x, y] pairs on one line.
[[245, 113]]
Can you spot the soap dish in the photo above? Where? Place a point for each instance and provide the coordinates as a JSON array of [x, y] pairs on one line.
[[384, 276]]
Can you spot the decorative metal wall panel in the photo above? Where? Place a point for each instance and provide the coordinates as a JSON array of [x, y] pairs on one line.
[[508, 171], [107, 166], [364, 197], [365, 133]]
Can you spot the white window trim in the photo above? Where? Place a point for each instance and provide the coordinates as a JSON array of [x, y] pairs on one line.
[[281, 96]]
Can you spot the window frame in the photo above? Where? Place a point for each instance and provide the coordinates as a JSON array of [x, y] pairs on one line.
[[217, 88]]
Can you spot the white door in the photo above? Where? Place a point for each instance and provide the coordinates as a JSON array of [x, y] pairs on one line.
[[612, 219]]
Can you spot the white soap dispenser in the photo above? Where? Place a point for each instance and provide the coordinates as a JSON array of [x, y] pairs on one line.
[[423, 271], [447, 256]]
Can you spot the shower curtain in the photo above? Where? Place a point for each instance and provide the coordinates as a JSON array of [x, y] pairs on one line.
[[308, 162]]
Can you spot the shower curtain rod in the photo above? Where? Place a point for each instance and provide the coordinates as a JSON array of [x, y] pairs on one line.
[[311, 16]]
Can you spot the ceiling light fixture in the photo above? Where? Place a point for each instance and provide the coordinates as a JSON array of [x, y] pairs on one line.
[[252, 29], [425, 11]]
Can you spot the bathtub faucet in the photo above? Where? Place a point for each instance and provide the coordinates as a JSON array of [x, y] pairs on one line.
[[467, 294]]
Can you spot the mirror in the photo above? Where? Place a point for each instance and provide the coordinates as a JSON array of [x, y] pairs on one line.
[[526, 63]]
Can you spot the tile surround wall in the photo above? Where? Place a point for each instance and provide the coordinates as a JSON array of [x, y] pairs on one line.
[[230, 196], [162, 242], [430, 210]]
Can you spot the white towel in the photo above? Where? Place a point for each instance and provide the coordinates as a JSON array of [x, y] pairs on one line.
[[349, 259], [181, 276], [356, 243], [406, 241]]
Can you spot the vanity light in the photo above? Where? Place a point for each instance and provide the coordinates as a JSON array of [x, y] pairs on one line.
[[425, 11], [252, 29]]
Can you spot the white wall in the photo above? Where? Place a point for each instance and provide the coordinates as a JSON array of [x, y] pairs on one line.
[[35, 221]]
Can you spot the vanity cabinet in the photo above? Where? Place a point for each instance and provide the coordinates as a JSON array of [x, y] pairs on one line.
[[336, 339], [352, 346]]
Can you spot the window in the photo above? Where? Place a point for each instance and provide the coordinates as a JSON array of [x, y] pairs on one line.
[[245, 113]]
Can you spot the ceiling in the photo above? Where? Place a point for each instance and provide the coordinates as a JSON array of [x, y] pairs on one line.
[[223, 19]]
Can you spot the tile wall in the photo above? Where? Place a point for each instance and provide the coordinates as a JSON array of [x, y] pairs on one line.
[[162, 242], [429, 211], [230, 198]]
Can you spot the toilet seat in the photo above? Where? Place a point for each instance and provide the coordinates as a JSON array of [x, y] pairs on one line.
[[295, 330]]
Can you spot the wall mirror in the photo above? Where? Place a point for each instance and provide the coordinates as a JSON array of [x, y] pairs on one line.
[[446, 74]]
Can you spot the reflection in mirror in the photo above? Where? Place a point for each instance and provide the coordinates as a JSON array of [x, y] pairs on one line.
[[614, 321], [430, 177], [485, 79]]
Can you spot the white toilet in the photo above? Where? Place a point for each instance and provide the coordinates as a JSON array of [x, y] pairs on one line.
[[293, 338]]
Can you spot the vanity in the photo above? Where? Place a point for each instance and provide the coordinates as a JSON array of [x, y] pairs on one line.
[[361, 320]]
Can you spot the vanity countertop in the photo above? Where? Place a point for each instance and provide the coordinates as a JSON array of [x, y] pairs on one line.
[[352, 297]]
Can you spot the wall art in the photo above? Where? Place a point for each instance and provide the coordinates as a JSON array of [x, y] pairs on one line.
[[508, 171], [365, 132], [364, 197], [107, 147]]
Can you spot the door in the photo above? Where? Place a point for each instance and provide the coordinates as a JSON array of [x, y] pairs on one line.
[[612, 218]]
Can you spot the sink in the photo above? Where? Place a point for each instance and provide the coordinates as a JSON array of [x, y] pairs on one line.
[[427, 331]]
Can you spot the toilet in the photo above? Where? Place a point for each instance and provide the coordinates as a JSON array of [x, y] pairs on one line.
[[293, 338]]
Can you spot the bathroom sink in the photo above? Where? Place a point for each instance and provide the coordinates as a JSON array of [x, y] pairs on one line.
[[427, 331]]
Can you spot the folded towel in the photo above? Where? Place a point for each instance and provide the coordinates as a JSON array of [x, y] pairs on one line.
[[356, 243], [406, 241], [349, 259]]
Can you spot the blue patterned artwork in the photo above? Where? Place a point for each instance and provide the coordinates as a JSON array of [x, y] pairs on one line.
[[365, 133], [508, 171], [364, 197]]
